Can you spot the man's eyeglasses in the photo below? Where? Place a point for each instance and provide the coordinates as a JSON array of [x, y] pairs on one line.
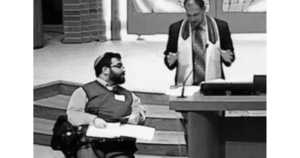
[[120, 66]]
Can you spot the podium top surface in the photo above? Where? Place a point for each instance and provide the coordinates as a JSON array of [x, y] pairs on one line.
[[218, 103]]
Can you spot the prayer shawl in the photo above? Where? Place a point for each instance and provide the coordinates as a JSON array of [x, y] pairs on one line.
[[185, 55]]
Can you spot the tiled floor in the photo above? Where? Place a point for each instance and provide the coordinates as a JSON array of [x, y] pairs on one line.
[[145, 70], [41, 151]]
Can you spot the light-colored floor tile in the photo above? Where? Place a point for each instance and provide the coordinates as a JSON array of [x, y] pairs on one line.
[[143, 60]]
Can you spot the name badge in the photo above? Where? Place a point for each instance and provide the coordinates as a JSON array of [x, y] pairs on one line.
[[120, 97]]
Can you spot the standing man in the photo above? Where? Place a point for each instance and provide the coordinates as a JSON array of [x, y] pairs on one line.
[[197, 47], [104, 101], [200, 44]]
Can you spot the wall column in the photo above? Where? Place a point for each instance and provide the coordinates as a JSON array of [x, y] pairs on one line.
[[38, 25], [115, 20]]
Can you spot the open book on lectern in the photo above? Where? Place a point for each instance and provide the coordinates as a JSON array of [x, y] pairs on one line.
[[222, 87], [189, 90], [115, 130]]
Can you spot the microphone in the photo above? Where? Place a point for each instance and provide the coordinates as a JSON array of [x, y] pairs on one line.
[[183, 84]]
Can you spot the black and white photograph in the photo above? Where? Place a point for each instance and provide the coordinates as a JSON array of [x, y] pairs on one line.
[[154, 79]]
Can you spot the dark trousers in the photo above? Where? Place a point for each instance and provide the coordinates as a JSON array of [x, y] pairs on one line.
[[107, 150]]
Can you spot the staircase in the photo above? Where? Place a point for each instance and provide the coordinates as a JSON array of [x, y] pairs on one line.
[[51, 100]]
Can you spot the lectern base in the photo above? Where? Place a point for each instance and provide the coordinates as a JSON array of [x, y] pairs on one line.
[[203, 136]]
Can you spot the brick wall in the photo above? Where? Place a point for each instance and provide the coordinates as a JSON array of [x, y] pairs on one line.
[[83, 21]]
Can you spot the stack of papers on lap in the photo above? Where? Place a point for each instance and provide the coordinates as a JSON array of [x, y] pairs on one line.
[[114, 130]]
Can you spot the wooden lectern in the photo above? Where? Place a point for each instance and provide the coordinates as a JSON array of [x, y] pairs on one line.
[[204, 139]]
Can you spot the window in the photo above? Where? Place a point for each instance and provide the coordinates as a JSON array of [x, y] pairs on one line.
[[244, 6], [162, 6]]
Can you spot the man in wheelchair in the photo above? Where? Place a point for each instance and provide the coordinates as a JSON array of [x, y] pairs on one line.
[[103, 101]]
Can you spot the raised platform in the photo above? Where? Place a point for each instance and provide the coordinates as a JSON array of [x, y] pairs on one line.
[[143, 60], [51, 100]]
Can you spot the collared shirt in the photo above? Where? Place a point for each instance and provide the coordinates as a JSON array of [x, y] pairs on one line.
[[75, 111], [104, 83], [203, 27]]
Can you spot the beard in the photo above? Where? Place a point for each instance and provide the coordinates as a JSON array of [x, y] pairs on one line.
[[117, 78]]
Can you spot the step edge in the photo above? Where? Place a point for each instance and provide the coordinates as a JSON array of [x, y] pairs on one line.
[[171, 115]]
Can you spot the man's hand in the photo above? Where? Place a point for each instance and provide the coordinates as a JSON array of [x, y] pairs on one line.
[[227, 56], [99, 123], [172, 58], [135, 119]]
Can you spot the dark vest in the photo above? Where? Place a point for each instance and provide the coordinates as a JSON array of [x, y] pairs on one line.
[[102, 102]]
